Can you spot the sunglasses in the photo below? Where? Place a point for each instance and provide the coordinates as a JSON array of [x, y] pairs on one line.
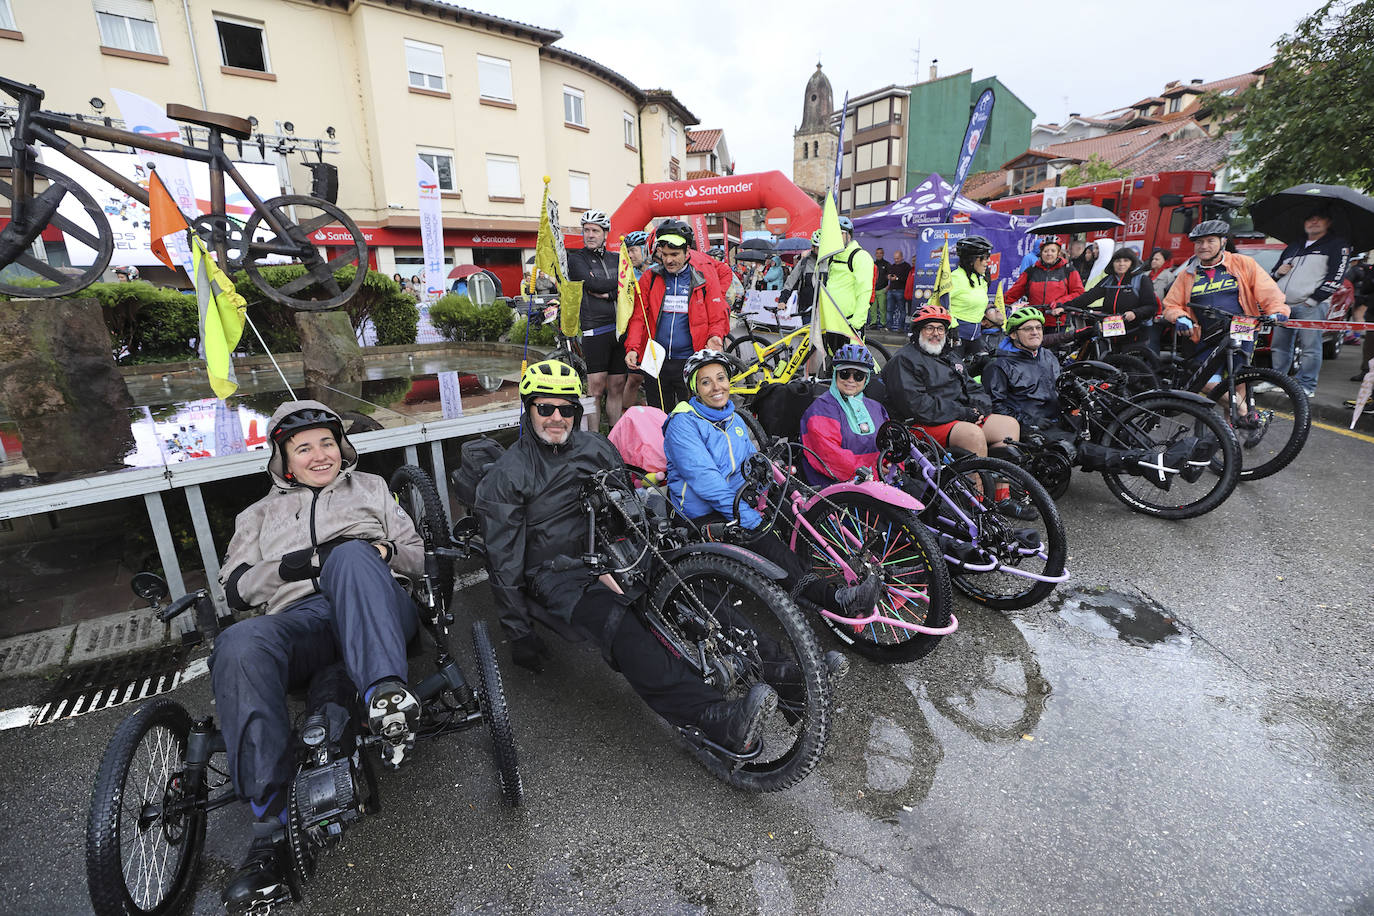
[[851, 375], [567, 411]]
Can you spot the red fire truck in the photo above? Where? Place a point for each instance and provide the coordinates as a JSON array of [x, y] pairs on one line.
[[1158, 209]]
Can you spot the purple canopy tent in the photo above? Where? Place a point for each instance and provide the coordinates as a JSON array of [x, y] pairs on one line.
[[911, 225]]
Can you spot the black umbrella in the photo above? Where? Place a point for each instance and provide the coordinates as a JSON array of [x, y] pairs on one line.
[[794, 244], [1074, 218], [1282, 215], [752, 254], [757, 245]]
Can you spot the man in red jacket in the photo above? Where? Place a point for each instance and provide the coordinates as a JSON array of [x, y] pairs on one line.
[[1047, 284], [683, 312]]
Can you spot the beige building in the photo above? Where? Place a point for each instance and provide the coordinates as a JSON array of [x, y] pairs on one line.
[[492, 104]]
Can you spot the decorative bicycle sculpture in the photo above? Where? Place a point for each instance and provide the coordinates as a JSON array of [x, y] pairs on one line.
[[280, 227]]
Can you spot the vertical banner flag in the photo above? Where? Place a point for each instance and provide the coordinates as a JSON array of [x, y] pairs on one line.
[[944, 284], [431, 230], [699, 230], [221, 318], [999, 302], [143, 116], [839, 150], [627, 287], [827, 317], [977, 126]]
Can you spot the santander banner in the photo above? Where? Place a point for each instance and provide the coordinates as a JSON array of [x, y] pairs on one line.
[[725, 194]]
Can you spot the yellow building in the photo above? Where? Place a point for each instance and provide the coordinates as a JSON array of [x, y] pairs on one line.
[[492, 104]]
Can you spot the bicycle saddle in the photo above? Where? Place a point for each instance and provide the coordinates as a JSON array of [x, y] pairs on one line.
[[232, 125]]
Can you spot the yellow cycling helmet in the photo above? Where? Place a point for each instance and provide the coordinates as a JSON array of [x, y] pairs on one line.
[[550, 378]]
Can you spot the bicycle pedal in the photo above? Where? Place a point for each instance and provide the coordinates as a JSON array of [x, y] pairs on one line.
[[395, 754], [837, 663]]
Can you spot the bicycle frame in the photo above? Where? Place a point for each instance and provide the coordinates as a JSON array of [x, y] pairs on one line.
[[41, 125], [801, 336]]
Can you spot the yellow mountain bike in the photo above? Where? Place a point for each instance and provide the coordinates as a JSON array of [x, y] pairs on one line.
[[765, 363]]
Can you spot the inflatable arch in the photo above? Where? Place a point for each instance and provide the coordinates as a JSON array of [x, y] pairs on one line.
[[760, 190]]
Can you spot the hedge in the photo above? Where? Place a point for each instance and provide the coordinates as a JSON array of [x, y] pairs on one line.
[[456, 318], [393, 313]]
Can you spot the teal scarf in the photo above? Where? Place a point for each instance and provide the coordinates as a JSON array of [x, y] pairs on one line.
[[855, 410]]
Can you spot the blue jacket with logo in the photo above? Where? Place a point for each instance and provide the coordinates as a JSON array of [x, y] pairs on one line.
[[706, 449]]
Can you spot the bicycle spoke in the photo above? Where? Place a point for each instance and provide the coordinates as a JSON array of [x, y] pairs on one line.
[[41, 267], [80, 233], [311, 226]]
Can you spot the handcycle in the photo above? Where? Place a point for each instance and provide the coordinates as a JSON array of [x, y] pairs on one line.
[[719, 608], [1163, 453], [999, 530], [843, 532], [279, 227], [761, 363], [163, 772], [1272, 426]]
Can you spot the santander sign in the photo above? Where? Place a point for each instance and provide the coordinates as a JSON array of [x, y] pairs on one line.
[[718, 194]]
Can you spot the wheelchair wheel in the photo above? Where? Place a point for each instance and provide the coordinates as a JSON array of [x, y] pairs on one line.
[[859, 527], [1157, 422], [141, 859], [497, 716], [999, 530], [757, 636]]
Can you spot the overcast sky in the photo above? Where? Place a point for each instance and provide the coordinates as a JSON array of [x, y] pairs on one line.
[[743, 66]]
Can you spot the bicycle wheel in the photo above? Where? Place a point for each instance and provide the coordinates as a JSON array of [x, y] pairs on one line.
[[756, 635], [498, 717], [1273, 426], [1020, 529], [417, 496], [140, 859], [1140, 375], [880, 353], [313, 228], [867, 532], [1155, 424], [91, 229]]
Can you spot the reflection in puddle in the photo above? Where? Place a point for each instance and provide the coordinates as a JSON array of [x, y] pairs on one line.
[[1133, 619]]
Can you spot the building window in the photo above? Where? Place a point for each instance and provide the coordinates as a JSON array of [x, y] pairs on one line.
[[242, 44], [441, 160], [493, 79], [503, 176], [1174, 103], [573, 102], [130, 25], [630, 130], [672, 142], [865, 118], [847, 165], [846, 199], [806, 150], [7, 17], [425, 65], [579, 190], [863, 158], [816, 148]]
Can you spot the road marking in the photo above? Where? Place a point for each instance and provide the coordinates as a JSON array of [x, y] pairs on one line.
[[24, 716], [1363, 437]]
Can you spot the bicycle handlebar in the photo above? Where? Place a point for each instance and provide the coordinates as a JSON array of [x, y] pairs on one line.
[[180, 605], [1267, 320]]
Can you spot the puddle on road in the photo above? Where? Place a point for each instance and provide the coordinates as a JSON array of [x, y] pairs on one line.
[[1133, 619]]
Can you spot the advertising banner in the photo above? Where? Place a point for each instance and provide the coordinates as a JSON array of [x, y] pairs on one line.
[[921, 249], [755, 306], [129, 219], [977, 126], [431, 229], [144, 116], [699, 230]]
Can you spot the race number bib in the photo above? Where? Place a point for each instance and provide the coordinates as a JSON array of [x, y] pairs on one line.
[[676, 305], [1113, 326], [1243, 328]]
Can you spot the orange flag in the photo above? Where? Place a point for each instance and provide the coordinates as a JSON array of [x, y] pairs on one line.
[[166, 217]]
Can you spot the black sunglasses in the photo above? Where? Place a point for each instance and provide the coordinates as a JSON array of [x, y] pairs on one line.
[[851, 375], [567, 411]]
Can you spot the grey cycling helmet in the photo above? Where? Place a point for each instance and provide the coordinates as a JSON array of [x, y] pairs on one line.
[[1210, 227], [596, 217], [847, 224]]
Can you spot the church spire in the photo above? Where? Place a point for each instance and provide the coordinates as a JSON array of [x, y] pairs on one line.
[[818, 104]]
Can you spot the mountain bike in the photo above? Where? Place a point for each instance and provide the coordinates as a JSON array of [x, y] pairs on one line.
[[1163, 453], [1137, 361], [998, 528], [280, 228], [164, 772], [762, 363], [1272, 425]]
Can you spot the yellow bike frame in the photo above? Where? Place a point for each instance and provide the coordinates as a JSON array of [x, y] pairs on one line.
[[750, 380]]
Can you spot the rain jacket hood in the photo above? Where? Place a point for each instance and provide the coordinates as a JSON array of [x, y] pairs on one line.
[[276, 464]]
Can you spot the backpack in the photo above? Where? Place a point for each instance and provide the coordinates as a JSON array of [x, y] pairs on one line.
[[779, 408], [477, 457]]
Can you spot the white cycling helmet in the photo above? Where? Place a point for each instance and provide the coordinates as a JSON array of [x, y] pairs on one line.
[[598, 218]]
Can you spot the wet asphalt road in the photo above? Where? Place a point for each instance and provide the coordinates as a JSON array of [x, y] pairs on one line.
[[1187, 728]]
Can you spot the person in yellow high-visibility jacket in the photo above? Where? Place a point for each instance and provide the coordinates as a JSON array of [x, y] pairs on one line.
[[850, 285]]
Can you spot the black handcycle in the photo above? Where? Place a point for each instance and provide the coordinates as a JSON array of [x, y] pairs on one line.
[[719, 608], [1273, 423], [280, 228], [163, 772]]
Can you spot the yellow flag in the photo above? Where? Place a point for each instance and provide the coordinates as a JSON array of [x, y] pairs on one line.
[[570, 307], [626, 289], [943, 284], [998, 302], [221, 318], [827, 317], [545, 252]]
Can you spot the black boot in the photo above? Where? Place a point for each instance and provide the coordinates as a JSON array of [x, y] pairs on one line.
[[736, 724], [859, 599], [261, 879]]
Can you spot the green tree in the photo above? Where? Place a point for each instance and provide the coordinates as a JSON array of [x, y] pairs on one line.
[[1313, 117], [1095, 169]]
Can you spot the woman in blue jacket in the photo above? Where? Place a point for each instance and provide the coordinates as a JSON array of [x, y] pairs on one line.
[[706, 444]]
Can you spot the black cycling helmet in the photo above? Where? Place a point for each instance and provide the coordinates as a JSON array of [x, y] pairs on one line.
[[972, 246], [1218, 227], [717, 252], [301, 420], [676, 227]]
